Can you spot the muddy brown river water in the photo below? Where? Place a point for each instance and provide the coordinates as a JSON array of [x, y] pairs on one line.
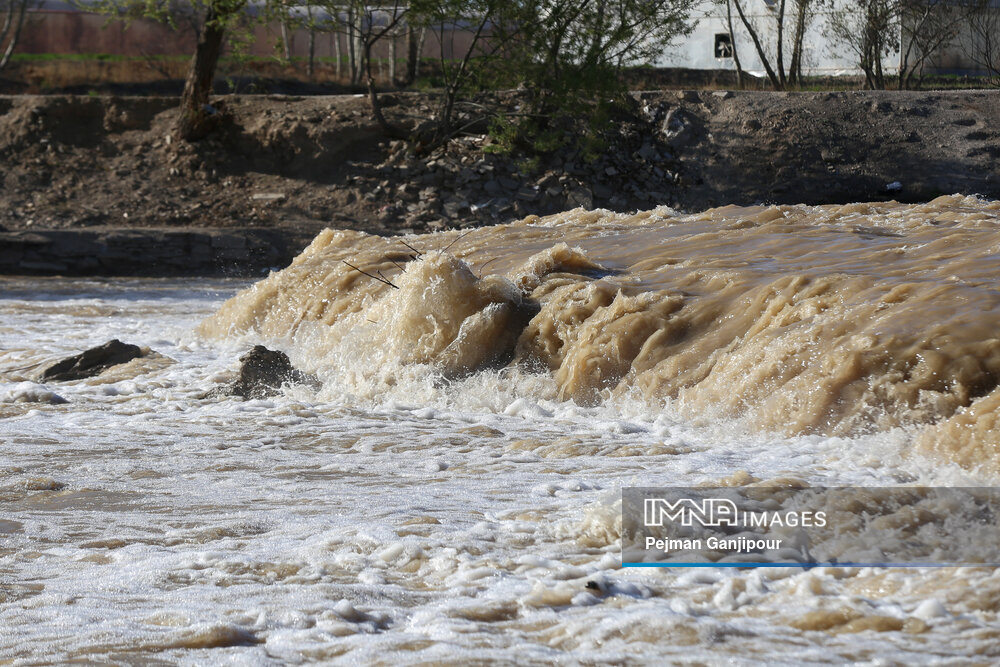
[[452, 493]]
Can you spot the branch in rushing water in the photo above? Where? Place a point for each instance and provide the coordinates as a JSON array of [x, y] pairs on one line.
[[448, 247], [379, 277], [417, 256], [488, 262]]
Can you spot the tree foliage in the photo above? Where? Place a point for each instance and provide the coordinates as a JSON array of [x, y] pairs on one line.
[[459, 63], [565, 51], [567, 57], [215, 19]]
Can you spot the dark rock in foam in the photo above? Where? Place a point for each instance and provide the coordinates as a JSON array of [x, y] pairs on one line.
[[263, 371], [92, 362]]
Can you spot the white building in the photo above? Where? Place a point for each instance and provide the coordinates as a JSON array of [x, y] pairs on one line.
[[710, 44]]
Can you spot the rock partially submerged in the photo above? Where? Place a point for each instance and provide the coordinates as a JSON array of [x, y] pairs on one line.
[[30, 392], [263, 371], [92, 362]]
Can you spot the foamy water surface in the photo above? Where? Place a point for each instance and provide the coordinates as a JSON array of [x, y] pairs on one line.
[[432, 504]]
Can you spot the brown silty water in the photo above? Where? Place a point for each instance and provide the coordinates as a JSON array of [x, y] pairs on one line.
[[798, 319]]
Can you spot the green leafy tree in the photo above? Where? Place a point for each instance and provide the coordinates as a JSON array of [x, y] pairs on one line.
[[216, 20], [577, 47], [459, 63], [569, 56]]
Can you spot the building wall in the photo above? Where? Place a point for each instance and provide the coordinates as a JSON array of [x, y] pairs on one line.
[[696, 51], [955, 58], [59, 28], [822, 57]]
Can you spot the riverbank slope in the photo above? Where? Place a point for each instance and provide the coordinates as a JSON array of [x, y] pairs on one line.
[[77, 170]]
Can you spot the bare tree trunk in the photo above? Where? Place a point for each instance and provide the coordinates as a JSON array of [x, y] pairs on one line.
[[781, 43], [420, 50], [777, 83], [798, 36], [336, 48], [387, 127], [392, 58], [352, 41], [194, 121], [879, 75], [361, 54], [286, 40], [370, 39], [15, 21], [8, 19], [311, 63], [411, 56], [732, 43]]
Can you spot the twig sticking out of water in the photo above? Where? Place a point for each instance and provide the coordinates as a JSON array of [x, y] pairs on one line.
[[488, 262], [379, 277], [417, 256], [402, 269], [457, 240]]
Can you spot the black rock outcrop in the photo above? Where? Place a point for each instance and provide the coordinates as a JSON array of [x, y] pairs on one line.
[[92, 362], [263, 371]]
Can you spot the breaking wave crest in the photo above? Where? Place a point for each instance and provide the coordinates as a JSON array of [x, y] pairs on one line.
[[829, 319]]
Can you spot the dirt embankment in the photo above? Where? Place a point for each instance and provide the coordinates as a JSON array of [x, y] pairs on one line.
[[296, 165]]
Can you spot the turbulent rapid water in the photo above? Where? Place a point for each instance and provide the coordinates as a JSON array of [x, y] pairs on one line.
[[452, 491]]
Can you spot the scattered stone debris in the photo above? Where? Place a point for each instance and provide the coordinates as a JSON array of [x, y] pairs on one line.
[[263, 371], [93, 361]]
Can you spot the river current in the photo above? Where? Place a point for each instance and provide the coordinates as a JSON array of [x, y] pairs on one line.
[[451, 493]]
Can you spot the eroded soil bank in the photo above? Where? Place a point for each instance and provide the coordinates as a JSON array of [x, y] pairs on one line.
[[290, 166]]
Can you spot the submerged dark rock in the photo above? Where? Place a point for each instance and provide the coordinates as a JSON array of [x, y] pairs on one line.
[[263, 371], [92, 362]]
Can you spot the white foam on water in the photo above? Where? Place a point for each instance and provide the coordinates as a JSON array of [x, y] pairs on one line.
[[476, 521]]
